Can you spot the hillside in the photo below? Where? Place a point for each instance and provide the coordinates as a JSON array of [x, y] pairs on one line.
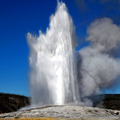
[[108, 101], [11, 102], [112, 101]]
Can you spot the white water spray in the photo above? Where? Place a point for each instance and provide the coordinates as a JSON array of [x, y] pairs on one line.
[[53, 75]]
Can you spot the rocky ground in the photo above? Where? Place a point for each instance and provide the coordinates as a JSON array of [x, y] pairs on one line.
[[64, 112]]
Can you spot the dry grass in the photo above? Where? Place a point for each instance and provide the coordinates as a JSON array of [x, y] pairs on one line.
[[34, 119], [51, 119]]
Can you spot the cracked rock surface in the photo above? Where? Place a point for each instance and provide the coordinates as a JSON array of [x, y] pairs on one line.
[[65, 112]]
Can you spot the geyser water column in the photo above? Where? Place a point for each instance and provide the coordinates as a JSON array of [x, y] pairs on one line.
[[53, 74]]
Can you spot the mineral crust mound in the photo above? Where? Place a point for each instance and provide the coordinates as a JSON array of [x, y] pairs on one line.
[[63, 112]]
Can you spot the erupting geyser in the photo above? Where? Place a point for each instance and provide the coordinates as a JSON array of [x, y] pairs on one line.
[[52, 64], [55, 77]]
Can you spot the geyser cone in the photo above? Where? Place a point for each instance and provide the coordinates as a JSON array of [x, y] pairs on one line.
[[53, 76]]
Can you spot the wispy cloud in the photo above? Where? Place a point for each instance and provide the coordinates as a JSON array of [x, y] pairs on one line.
[[110, 1], [104, 1], [81, 4]]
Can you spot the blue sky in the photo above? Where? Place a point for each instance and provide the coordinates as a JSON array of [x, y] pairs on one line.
[[18, 17]]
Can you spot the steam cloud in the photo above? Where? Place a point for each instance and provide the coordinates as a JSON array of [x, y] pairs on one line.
[[54, 78], [98, 66]]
